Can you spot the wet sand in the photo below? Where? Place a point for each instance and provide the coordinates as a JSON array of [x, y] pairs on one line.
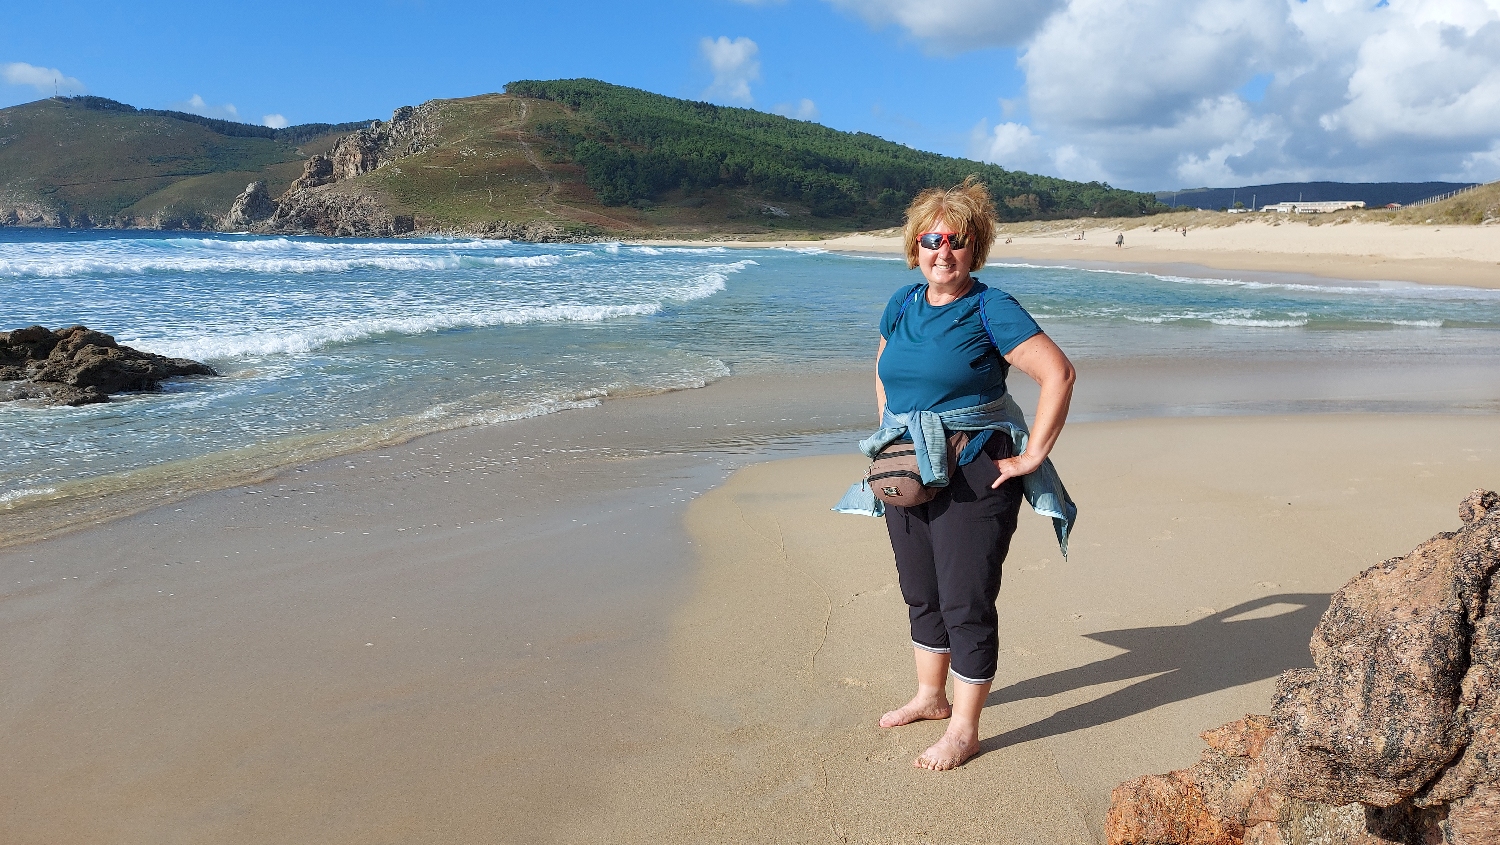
[[427, 643], [559, 629]]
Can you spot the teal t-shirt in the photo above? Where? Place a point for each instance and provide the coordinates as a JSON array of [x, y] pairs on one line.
[[938, 357]]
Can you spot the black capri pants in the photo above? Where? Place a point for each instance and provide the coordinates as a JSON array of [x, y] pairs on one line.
[[948, 557]]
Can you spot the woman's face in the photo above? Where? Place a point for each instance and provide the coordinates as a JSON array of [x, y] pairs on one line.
[[945, 266]]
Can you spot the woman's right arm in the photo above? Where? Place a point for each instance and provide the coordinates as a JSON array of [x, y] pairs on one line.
[[879, 387]]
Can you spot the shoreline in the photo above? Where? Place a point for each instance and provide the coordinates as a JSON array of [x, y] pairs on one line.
[[1110, 389], [1453, 256], [127, 494]]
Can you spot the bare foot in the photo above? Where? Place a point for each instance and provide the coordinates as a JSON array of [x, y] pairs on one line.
[[950, 752], [919, 708]]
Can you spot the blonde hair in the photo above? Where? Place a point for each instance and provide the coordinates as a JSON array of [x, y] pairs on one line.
[[967, 207]]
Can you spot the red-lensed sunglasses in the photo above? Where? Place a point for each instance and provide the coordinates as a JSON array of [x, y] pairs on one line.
[[934, 240]]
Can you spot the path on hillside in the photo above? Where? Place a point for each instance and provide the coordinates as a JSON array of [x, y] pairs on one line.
[[545, 199]]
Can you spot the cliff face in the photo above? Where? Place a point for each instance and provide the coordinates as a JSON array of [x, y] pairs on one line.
[[317, 202], [411, 130], [1392, 738], [250, 207]]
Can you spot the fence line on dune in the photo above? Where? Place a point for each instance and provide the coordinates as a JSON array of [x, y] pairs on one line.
[[1450, 194]]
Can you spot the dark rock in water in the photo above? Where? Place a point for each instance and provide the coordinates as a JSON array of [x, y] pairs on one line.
[[1392, 738], [250, 207], [79, 366]]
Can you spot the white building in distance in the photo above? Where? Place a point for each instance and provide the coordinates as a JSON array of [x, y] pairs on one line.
[[1313, 207]]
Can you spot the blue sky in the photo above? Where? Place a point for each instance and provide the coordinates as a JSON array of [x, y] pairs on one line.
[[1143, 93]]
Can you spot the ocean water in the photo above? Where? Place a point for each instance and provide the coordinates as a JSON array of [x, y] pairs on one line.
[[328, 346]]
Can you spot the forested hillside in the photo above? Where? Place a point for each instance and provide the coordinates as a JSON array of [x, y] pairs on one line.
[[636, 147]]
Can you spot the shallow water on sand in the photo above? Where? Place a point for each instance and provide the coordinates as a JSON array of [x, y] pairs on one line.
[[328, 346]]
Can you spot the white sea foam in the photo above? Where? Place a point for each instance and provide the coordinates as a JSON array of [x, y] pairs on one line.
[[1237, 317], [270, 341], [94, 266], [1259, 324], [526, 261], [263, 245], [8, 497], [711, 282], [1333, 286]]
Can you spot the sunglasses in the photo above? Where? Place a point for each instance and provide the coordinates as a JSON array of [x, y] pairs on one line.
[[934, 240]]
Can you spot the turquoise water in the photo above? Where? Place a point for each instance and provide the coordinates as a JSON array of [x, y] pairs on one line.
[[331, 345]]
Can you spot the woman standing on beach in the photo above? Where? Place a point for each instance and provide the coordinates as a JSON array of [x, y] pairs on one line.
[[946, 346]]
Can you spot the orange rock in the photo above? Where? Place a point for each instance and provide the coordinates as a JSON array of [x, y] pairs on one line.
[[1392, 739]]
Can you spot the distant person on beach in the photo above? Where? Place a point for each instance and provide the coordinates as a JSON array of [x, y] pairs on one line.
[[1119, 240], [946, 346]]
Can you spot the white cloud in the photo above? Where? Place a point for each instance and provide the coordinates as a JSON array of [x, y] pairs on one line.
[[1011, 145], [952, 26], [734, 66], [1069, 163], [1145, 92], [46, 80], [1481, 166], [1434, 74], [197, 105], [803, 109], [275, 121], [1087, 65]]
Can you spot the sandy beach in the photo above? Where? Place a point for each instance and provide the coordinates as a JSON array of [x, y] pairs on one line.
[[641, 622], [1210, 551], [1362, 251], [557, 629]]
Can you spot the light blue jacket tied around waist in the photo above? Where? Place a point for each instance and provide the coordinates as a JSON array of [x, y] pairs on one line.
[[928, 431]]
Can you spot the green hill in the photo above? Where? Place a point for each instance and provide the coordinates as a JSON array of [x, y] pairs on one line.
[[636, 147], [570, 158], [93, 161]]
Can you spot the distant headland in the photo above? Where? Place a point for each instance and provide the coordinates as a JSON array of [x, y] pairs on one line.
[[560, 160]]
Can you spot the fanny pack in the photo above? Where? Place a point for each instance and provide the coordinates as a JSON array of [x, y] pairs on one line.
[[895, 479]]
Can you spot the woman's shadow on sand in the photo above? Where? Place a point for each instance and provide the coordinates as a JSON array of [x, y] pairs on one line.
[[1248, 642]]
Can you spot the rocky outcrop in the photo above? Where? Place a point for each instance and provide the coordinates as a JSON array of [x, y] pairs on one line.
[[79, 366], [250, 207], [544, 231], [1392, 737], [27, 213], [316, 172], [411, 130], [316, 203], [335, 214]]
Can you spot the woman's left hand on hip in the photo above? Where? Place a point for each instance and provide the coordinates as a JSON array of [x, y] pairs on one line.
[[1016, 467]]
